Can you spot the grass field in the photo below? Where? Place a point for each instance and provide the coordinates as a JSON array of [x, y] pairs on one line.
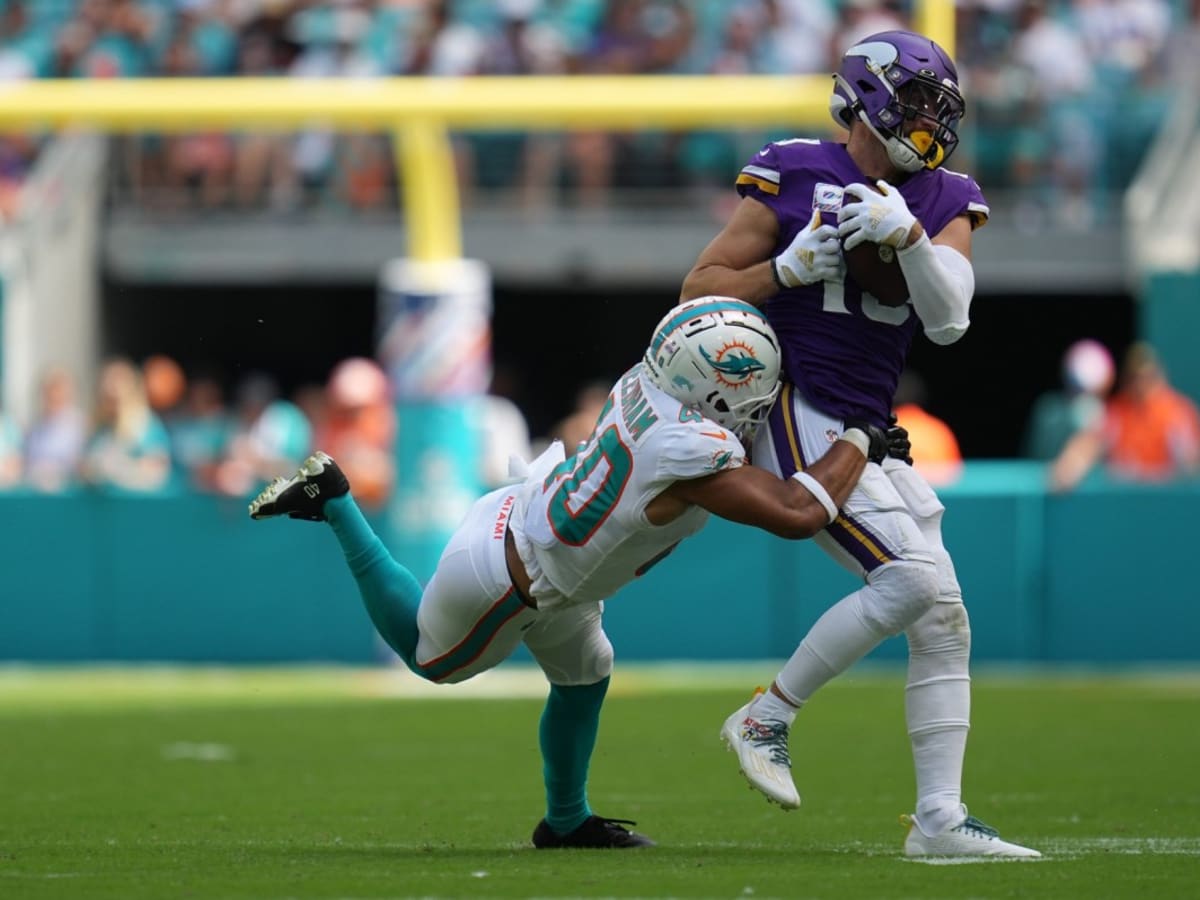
[[353, 784]]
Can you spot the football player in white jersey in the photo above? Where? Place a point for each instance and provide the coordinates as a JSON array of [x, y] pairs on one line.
[[533, 561]]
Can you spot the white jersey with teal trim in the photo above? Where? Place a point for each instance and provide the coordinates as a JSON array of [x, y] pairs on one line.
[[582, 531]]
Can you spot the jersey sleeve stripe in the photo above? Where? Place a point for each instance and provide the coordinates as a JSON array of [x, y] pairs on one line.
[[979, 214], [762, 184], [762, 172]]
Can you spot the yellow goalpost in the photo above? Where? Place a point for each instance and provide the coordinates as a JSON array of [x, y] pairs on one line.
[[435, 305], [420, 111]]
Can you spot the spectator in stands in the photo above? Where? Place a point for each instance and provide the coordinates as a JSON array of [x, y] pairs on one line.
[[635, 37], [166, 386], [10, 452], [55, 441], [263, 174], [270, 432], [360, 422], [1061, 79], [333, 48], [523, 44], [107, 39], [798, 34], [935, 451], [1087, 377], [1149, 431], [201, 431], [859, 18], [129, 448], [198, 166], [17, 152]]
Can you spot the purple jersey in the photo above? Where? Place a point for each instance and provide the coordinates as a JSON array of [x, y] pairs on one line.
[[842, 348]]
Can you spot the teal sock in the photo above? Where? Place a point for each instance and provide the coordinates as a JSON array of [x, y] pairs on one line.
[[389, 591], [567, 736]]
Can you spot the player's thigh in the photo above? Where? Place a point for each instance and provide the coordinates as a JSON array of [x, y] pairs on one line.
[[927, 510], [875, 527], [470, 618], [570, 645]]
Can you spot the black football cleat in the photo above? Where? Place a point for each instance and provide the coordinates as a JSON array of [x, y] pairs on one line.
[[596, 833], [303, 495]]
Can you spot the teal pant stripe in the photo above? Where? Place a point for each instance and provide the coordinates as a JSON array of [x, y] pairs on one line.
[[469, 648]]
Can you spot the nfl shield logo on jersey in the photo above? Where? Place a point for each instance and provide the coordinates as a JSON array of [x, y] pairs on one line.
[[827, 197]]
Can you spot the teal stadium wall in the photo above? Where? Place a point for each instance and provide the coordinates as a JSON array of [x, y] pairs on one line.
[[1097, 576], [1169, 318]]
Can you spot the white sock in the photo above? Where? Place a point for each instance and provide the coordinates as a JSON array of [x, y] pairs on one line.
[[837, 640], [938, 759], [938, 712], [771, 707]]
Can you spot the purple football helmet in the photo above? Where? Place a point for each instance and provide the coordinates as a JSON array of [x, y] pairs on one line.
[[894, 77]]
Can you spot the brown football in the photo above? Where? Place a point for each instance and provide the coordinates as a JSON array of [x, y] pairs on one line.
[[875, 269]]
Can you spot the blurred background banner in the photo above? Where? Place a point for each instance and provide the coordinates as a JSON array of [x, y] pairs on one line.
[[418, 233]]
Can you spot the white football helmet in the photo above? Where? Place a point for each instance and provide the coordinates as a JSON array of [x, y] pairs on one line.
[[720, 357]]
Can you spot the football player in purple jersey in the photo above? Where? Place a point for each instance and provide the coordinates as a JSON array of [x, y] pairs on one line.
[[843, 350]]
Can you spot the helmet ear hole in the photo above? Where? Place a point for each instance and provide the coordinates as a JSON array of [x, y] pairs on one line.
[[720, 405]]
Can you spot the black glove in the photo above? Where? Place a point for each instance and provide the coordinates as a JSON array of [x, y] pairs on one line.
[[880, 446], [899, 446]]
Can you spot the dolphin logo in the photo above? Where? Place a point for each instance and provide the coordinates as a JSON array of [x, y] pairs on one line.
[[737, 368]]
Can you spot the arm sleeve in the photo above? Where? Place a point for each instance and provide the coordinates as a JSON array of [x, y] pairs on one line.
[[941, 283]]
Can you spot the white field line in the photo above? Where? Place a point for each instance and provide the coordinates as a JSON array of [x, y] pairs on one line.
[[105, 686]]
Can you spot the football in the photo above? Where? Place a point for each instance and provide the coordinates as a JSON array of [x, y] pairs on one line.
[[876, 270]]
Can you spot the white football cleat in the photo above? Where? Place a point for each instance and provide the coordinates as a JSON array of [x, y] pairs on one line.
[[969, 837], [762, 750]]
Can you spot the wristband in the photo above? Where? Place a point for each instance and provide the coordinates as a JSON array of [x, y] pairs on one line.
[[818, 491], [775, 273], [858, 438]]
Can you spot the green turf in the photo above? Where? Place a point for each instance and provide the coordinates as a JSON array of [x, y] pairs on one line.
[[306, 785]]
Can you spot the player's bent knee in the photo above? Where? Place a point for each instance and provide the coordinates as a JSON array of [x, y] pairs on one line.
[[902, 592], [576, 663], [598, 663], [944, 630]]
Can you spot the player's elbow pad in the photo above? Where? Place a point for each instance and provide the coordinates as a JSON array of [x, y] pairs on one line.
[[941, 283]]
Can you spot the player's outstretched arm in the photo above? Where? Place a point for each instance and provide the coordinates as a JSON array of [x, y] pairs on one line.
[[792, 508]]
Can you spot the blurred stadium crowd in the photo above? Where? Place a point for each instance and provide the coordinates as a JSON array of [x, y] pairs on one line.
[[152, 428], [1063, 95]]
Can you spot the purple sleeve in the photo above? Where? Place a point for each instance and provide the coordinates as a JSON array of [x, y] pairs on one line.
[[956, 195], [760, 177]]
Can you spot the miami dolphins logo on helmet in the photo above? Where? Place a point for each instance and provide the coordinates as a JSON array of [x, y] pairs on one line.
[[734, 364]]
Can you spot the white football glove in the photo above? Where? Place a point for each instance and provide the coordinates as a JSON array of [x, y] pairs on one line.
[[881, 218], [813, 255]]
